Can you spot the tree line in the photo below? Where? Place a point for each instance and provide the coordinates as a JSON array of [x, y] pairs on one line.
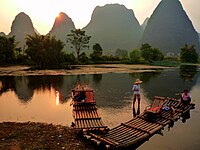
[[45, 51]]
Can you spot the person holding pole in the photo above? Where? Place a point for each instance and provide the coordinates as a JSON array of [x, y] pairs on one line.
[[136, 93]]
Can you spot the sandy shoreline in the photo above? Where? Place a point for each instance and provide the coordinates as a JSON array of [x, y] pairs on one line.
[[79, 69]]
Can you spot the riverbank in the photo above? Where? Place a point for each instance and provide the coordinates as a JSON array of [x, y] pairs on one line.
[[38, 136], [78, 69]]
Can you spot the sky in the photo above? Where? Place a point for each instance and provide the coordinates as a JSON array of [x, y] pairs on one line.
[[44, 12]]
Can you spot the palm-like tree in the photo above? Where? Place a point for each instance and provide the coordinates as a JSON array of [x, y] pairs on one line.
[[45, 51], [7, 49]]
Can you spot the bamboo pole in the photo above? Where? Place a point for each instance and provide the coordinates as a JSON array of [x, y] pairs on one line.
[[105, 140]]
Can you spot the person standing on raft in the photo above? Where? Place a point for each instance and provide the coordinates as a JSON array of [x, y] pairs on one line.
[[136, 93]]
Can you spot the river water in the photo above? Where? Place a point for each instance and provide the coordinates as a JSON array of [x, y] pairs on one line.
[[47, 99]]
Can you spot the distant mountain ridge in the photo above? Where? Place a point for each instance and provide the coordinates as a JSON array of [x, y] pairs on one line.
[[144, 24], [2, 34], [62, 26], [21, 27], [199, 36], [114, 26], [169, 28]]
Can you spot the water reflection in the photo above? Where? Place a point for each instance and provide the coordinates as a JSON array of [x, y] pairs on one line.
[[108, 86], [57, 98], [187, 72], [7, 83], [145, 76], [24, 87], [97, 78], [44, 82], [136, 110], [47, 98], [167, 84], [185, 116]]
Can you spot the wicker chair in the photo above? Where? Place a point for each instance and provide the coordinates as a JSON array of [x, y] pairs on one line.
[[155, 109]]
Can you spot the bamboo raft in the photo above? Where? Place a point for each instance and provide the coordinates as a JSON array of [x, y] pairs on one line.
[[85, 112], [138, 130], [129, 134]]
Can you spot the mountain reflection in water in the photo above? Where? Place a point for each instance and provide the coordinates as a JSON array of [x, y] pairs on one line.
[[109, 88]]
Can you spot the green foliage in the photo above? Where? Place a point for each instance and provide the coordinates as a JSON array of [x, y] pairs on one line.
[[187, 72], [121, 53], [157, 55], [97, 52], [21, 56], [172, 58], [189, 54], [169, 63], [110, 58], [83, 58], [146, 52], [135, 56], [7, 49], [44, 50], [68, 58], [151, 54], [79, 40]]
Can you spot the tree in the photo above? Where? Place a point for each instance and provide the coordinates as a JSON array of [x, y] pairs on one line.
[[151, 54], [79, 40], [44, 50], [7, 49], [83, 58], [97, 52], [121, 53], [189, 54], [68, 58], [157, 54], [146, 52], [135, 56]]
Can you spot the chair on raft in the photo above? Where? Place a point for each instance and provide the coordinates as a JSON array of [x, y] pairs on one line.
[[154, 110]]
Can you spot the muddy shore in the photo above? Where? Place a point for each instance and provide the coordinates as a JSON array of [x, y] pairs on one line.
[[78, 69], [40, 136]]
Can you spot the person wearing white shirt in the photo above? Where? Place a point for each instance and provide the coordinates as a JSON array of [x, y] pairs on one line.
[[136, 93], [186, 97]]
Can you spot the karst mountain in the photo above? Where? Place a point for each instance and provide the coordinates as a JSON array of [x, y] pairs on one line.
[[144, 24], [169, 28], [2, 34], [21, 27], [114, 26], [62, 26]]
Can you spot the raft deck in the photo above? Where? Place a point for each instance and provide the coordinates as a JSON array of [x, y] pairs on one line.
[[138, 130], [85, 113]]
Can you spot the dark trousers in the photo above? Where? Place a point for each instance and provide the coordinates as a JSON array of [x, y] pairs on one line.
[[136, 97]]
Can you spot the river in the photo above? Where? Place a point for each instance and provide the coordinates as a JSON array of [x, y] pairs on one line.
[[47, 99]]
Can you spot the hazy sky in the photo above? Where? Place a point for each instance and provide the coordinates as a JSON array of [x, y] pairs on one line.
[[44, 12]]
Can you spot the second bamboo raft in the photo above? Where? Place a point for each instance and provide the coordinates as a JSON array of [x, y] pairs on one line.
[[136, 131]]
